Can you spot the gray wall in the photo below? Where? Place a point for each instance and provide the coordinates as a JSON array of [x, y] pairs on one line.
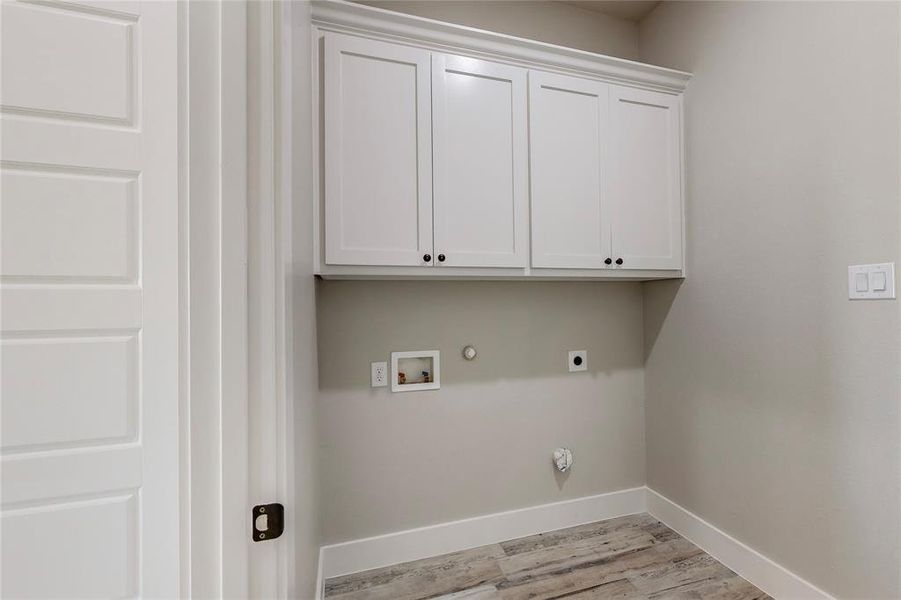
[[773, 401], [550, 22], [304, 515], [483, 442]]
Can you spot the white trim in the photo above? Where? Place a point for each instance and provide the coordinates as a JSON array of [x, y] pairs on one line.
[[213, 130], [435, 540], [270, 428], [233, 301], [184, 306], [493, 273], [320, 578], [334, 15], [283, 96], [772, 578]]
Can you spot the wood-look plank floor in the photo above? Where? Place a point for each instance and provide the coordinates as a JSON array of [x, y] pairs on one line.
[[630, 558]]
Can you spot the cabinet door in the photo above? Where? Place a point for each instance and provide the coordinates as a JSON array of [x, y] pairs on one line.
[[378, 153], [568, 130], [481, 154], [645, 178]]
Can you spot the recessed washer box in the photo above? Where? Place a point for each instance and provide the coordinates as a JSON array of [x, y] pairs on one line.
[[415, 371]]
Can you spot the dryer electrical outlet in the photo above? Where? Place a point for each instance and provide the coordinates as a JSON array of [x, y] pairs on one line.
[[578, 360]]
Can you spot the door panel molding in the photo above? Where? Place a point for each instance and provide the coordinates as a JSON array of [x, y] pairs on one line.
[[89, 283]]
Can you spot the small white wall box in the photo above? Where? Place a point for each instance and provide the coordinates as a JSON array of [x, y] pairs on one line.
[[415, 371], [578, 360]]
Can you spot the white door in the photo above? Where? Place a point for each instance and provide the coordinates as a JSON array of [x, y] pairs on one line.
[[89, 290], [645, 185], [568, 142], [378, 153], [481, 163]]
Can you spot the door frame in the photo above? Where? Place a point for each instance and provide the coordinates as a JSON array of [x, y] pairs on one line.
[[213, 297], [271, 418], [233, 411], [235, 325]]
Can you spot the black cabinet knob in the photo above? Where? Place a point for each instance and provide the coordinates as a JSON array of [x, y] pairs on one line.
[[427, 257], [608, 261], [619, 261], [441, 258]]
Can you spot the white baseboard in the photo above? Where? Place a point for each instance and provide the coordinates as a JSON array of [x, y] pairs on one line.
[[435, 540], [320, 580], [775, 580]]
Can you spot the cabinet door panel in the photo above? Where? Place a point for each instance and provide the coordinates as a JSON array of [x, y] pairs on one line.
[[378, 153], [481, 154], [568, 133], [645, 180]]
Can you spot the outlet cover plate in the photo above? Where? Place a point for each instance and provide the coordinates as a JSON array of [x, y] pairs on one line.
[[379, 374], [578, 360]]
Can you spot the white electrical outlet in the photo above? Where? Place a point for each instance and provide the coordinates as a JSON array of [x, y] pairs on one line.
[[578, 360], [379, 376]]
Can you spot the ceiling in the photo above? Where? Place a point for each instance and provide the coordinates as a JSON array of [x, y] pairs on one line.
[[631, 10]]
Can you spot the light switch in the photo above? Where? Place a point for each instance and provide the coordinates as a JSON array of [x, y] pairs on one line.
[[871, 282]]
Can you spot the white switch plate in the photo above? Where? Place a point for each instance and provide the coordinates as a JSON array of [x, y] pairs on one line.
[[871, 282], [379, 374], [578, 360]]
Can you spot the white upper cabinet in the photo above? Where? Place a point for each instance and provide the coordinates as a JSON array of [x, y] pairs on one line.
[[568, 140], [606, 175], [480, 163], [506, 159], [378, 153], [645, 178]]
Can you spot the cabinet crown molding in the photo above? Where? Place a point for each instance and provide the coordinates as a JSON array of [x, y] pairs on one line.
[[377, 23]]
